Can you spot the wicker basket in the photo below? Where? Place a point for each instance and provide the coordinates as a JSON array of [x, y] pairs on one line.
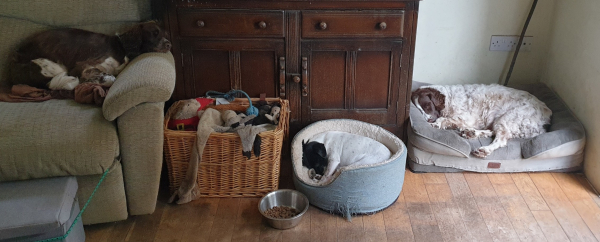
[[223, 171]]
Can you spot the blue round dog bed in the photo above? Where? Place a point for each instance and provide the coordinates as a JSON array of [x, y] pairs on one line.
[[353, 190]]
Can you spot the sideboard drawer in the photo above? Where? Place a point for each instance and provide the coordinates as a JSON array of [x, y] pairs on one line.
[[230, 23], [336, 24]]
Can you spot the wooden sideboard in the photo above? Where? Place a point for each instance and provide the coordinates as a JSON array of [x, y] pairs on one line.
[[330, 59]]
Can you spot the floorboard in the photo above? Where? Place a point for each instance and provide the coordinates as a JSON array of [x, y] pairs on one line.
[[491, 209], [397, 221], [222, 229], [469, 211], [516, 208], [432, 207], [581, 200], [588, 187], [201, 215], [248, 221], [323, 226], [529, 191], [561, 207], [374, 228], [447, 213], [422, 220]]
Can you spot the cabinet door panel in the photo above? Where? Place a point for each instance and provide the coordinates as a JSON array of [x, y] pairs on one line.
[[256, 69], [327, 86], [210, 71], [372, 83], [222, 65], [352, 79]]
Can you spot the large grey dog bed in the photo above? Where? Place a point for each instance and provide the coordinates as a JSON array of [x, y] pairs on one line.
[[560, 149], [353, 190]]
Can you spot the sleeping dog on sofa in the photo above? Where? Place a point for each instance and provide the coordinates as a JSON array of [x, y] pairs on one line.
[[324, 153], [59, 59]]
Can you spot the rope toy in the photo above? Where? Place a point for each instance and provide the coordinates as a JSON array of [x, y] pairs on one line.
[[230, 96]]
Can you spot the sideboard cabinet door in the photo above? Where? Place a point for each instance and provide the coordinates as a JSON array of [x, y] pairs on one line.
[[221, 65], [351, 79]]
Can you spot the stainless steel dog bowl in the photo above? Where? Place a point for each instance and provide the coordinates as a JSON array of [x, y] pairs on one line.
[[288, 198]]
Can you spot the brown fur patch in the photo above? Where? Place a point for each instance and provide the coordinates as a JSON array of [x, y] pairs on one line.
[[438, 99]]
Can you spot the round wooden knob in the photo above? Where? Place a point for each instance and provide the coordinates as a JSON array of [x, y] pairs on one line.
[[200, 23], [262, 25], [382, 25], [296, 79], [323, 25]]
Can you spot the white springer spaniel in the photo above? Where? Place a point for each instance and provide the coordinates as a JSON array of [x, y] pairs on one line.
[[479, 110]]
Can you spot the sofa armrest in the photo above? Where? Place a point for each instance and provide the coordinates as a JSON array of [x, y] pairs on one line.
[[141, 142], [148, 78]]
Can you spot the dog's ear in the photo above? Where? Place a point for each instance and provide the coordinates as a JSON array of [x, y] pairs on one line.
[[415, 96], [132, 41], [320, 150], [438, 99]]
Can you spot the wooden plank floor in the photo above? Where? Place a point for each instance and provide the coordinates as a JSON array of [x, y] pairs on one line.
[[432, 207]]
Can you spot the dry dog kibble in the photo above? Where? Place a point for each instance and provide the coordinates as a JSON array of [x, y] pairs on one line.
[[281, 212]]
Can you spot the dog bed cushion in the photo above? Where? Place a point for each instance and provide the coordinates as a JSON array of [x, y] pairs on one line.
[[560, 148], [356, 189]]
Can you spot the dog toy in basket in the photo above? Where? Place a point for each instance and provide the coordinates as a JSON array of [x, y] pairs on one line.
[[229, 96], [187, 115]]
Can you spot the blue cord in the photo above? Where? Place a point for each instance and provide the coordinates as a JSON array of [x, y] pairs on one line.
[[80, 212], [229, 96]]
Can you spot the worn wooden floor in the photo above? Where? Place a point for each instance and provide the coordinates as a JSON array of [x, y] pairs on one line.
[[432, 207]]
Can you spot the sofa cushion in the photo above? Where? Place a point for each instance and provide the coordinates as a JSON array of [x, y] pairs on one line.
[[54, 138], [76, 13]]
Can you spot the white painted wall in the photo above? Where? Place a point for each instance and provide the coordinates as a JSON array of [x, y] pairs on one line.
[[453, 38], [572, 69]]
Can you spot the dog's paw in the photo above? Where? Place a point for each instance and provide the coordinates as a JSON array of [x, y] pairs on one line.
[[436, 125], [63, 82], [468, 134], [481, 152], [108, 80], [484, 133]]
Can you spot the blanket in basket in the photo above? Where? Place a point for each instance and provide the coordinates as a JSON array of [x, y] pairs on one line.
[[211, 121]]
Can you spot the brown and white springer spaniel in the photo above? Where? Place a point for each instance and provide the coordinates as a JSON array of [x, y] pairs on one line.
[[479, 110], [59, 59]]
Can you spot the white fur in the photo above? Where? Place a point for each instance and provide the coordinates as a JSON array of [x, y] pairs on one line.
[[63, 82], [60, 79], [108, 80], [49, 68], [479, 110], [346, 149], [111, 66]]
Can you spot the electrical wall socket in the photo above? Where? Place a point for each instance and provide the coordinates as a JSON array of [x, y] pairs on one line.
[[509, 43]]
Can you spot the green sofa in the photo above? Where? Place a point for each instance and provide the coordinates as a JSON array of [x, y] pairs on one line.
[[64, 138]]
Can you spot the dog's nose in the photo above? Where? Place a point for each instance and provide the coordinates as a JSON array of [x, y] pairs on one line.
[[168, 45]]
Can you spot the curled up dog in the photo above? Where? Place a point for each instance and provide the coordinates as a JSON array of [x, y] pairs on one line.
[[479, 110], [326, 152], [60, 59]]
